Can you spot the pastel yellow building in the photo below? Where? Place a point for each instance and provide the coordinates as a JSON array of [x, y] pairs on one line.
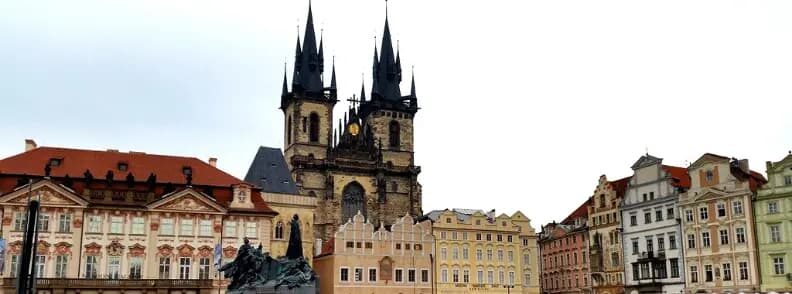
[[478, 252], [362, 259]]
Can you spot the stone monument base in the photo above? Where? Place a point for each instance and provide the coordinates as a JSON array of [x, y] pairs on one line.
[[309, 289]]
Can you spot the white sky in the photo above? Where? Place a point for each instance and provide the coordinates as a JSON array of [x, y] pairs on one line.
[[524, 103]]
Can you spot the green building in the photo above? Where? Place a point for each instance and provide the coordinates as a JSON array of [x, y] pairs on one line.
[[773, 210]]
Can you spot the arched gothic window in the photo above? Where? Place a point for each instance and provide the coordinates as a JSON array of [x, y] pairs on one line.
[[289, 130], [394, 133], [354, 200], [279, 230], [314, 127]]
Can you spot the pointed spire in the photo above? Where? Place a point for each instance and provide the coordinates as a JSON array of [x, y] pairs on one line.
[[412, 84], [363, 91], [308, 63], [321, 50], [285, 89], [333, 77], [387, 71]]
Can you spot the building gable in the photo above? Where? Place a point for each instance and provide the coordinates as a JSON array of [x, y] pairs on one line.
[[49, 194], [187, 200]]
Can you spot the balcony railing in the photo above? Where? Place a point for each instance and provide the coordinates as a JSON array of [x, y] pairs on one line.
[[51, 283]]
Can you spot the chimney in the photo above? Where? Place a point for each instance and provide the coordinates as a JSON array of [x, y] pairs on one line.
[[213, 161], [317, 247], [743, 164], [30, 145]]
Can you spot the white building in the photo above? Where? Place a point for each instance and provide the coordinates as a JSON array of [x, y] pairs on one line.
[[651, 233]]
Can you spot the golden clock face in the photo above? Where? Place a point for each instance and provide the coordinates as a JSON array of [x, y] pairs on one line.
[[354, 129]]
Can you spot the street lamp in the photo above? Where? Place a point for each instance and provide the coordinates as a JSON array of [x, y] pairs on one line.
[[508, 288]]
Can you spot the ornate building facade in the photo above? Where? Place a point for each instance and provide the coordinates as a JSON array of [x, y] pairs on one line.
[[652, 250], [773, 211], [564, 247], [484, 253], [144, 222], [607, 267], [362, 259], [366, 163], [718, 227]]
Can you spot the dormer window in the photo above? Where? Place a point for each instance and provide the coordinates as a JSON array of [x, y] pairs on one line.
[[242, 196], [709, 175], [187, 170], [123, 166], [55, 162]]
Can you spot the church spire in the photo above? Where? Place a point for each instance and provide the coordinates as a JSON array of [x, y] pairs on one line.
[[363, 92], [285, 90], [333, 77], [412, 84], [308, 62], [387, 71]]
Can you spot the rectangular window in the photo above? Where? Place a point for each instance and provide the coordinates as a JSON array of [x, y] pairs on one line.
[[454, 235], [358, 274], [489, 254], [511, 278], [464, 236], [691, 241], [787, 180], [116, 225], [500, 255], [772, 207], [251, 230], [670, 213], [501, 277], [693, 274], [672, 242], [465, 253], [644, 270], [647, 217], [633, 220], [708, 275], [230, 229], [674, 267], [724, 237], [465, 276], [344, 275], [743, 271], [372, 275], [64, 223], [737, 208], [203, 268], [509, 238], [41, 265], [135, 267], [478, 254], [727, 276], [775, 234], [205, 227], [480, 276], [689, 216], [90, 267], [499, 237], [442, 235], [138, 225], [444, 276], [510, 256], [424, 276], [166, 226], [649, 244], [635, 246], [739, 234], [443, 253], [113, 267], [721, 209], [61, 261], [490, 277], [43, 223], [399, 277], [636, 272], [489, 237], [455, 276], [660, 243], [778, 265], [455, 253], [19, 221], [94, 224], [478, 236], [658, 215], [164, 268], [705, 239], [703, 213], [186, 227], [411, 275]]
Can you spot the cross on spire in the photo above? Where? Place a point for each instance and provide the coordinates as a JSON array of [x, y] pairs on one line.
[[354, 101]]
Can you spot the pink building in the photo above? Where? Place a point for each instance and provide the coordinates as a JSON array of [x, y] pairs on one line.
[[564, 251]]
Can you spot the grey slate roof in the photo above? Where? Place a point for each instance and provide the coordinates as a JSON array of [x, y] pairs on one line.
[[269, 172]]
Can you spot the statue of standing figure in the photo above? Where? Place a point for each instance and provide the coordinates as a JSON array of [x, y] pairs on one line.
[[253, 269]]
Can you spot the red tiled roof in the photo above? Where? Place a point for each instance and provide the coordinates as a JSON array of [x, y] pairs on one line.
[[680, 176], [74, 162], [620, 186], [580, 212]]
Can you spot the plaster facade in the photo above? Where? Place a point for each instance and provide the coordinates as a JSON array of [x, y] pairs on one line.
[[773, 210], [565, 257], [605, 248]]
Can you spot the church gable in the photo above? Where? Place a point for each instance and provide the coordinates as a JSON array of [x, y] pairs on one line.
[[187, 200], [49, 193]]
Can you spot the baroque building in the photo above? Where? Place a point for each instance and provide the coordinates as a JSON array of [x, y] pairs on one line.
[[773, 212], [131, 222], [607, 268], [362, 259], [651, 235], [484, 253], [269, 172], [718, 225], [366, 163], [564, 249]]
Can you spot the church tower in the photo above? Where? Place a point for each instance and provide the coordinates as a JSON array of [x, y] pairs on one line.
[[365, 165], [308, 108]]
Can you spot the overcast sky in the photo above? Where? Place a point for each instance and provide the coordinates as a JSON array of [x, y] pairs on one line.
[[524, 103]]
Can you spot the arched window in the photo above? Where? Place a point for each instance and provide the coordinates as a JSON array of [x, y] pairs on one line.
[[279, 230], [394, 133], [288, 130], [394, 186], [354, 200], [314, 127]]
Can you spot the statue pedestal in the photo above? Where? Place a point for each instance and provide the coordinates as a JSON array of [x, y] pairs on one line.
[[309, 289]]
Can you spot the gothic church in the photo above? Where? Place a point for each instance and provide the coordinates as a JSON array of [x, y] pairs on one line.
[[366, 163]]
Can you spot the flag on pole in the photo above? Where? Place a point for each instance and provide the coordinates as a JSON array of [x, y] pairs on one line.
[[218, 255]]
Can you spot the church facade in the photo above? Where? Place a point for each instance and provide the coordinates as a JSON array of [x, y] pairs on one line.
[[365, 164]]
